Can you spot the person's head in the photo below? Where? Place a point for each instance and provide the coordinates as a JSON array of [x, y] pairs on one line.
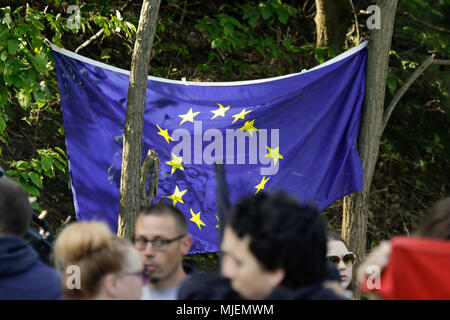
[[161, 237], [437, 223], [15, 209], [109, 267], [271, 240], [340, 255]]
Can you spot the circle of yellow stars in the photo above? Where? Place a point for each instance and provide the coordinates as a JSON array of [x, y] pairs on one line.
[[176, 162]]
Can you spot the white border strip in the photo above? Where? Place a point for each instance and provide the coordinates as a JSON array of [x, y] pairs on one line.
[[212, 84]]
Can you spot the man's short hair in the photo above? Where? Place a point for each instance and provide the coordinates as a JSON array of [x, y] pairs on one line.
[[283, 234], [163, 209], [15, 209]]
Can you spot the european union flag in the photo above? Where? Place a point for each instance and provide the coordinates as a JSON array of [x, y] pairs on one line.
[[296, 132]]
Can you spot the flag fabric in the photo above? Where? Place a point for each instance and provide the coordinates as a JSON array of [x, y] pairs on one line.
[[418, 269], [297, 133]]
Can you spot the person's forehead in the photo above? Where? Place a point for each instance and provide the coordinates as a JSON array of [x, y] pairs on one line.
[[156, 225], [336, 247], [234, 245]]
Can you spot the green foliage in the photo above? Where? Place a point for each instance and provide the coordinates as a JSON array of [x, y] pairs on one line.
[[241, 29], [31, 173], [28, 84], [426, 104]]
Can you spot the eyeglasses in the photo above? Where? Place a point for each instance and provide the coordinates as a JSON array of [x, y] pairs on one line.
[[157, 243], [348, 258]]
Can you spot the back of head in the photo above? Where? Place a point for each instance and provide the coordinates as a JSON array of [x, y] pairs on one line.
[[437, 223], [15, 209], [92, 248], [283, 234], [166, 209]]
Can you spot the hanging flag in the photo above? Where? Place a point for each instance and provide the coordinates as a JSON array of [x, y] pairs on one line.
[[296, 132]]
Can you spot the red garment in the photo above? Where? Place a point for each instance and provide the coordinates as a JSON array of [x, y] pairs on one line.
[[418, 269]]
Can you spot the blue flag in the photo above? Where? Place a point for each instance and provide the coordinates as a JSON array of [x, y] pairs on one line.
[[296, 132]]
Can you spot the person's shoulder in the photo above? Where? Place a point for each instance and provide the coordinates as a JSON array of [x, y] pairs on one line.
[[206, 286], [320, 291]]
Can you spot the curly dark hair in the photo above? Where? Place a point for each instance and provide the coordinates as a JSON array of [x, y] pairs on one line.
[[283, 234]]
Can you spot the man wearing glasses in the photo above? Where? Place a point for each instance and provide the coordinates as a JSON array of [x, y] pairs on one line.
[[161, 237]]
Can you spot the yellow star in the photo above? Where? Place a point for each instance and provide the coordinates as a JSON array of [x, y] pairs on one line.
[[189, 116], [240, 115], [217, 226], [274, 154], [261, 184], [177, 196], [165, 134], [248, 126], [220, 112], [175, 163], [196, 218]]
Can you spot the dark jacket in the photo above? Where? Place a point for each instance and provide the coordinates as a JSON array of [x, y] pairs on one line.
[[23, 276], [211, 286], [207, 286], [314, 292]]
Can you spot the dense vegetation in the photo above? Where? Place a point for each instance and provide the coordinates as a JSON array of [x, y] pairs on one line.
[[225, 41]]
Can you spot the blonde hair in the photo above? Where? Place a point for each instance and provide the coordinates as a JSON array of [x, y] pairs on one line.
[[95, 250]]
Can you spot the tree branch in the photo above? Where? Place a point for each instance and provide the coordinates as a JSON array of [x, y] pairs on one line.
[[91, 39], [404, 88], [441, 62], [356, 21], [99, 33], [151, 161], [425, 23]]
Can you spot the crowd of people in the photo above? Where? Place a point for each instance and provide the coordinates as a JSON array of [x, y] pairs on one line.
[[273, 247]]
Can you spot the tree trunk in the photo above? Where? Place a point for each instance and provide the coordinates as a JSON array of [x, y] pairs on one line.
[[355, 206], [134, 119], [333, 19]]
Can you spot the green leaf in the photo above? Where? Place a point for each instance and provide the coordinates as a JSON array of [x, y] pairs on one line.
[[2, 123], [216, 43], [283, 15], [13, 46], [4, 55], [60, 166], [36, 165], [30, 189], [39, 62], [36, 206], [253, 21], [21, 165], [392, 84], [436, 138], [24, 99], [46, 163], [266, 12], [36, 180], [61, 151], [228, 29], [8, 70]]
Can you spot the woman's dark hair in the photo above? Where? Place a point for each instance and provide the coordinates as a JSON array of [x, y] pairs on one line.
[[283, 234], [334, 237]]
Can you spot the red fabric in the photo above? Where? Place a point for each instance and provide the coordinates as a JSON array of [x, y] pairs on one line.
[[418, 269]]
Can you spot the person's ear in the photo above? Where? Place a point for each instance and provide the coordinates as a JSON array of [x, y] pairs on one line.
[[186, 244], [110, 286], [276, 277]]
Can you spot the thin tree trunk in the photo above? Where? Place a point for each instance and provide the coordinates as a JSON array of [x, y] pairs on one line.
[[134, 119], [355, 206], [333, 19]]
